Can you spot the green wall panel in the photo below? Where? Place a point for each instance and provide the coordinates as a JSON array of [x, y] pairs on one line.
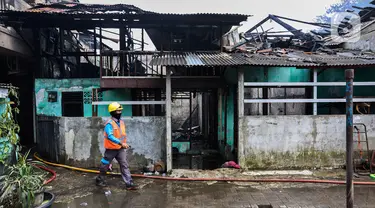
[[252, 74], [287, 74], [3, 105], [116, 95], [338, 75], [229, 118], [275, 74], [183, 147], [43, 86]]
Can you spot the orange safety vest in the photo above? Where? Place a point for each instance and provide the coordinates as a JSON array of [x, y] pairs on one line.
[[118, 131]]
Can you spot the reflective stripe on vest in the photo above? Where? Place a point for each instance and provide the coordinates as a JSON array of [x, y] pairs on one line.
[[118, 131]]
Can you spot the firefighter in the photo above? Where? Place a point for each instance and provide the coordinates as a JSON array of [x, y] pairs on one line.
[[115, 147]]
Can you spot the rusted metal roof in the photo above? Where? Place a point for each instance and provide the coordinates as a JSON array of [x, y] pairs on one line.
[[197, 59], [75, 8], [83, 16], [107, 9], [300, 59]]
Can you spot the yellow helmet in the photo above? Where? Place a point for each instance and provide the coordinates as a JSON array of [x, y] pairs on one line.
[[114, 107]]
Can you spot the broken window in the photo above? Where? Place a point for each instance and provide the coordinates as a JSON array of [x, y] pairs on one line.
[[72, 104], [275, 108], [148, 95]]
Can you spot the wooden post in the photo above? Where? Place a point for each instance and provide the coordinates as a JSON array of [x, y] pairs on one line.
[[200, 111], [168, 115], [62, 64]]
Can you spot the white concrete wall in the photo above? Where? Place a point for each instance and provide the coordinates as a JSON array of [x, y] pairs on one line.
[[297, 141]]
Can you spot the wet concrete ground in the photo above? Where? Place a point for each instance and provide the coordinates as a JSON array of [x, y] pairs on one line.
[[75, 190]]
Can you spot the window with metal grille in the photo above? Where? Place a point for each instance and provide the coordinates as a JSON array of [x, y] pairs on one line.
[[72, 104]]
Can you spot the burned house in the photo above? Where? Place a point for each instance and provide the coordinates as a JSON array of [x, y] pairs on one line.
[[74, 84], [206, 94], [293, 108]]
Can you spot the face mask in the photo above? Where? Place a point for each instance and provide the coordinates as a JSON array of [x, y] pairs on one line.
[[117, 116]]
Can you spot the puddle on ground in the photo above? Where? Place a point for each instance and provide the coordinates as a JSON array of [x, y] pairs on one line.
[[201, 194], [101, 200], [155, 194]]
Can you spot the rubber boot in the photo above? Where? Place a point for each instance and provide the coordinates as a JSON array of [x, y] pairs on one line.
[[100, 181], [131, 186]]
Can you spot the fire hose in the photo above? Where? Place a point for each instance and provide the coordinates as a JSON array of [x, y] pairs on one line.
[[265, 180], [48, 170]]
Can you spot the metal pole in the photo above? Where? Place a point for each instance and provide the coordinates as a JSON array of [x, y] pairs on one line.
[[349, 76]]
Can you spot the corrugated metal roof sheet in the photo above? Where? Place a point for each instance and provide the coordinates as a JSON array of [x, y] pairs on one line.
[[79, 8], [272, 60], [197, 59], [295, 59], [300, 59], [74, 8], [82, 16]]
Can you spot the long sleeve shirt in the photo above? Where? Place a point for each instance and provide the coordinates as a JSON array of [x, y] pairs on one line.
[[109, 130]]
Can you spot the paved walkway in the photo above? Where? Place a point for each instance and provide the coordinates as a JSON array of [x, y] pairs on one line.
[[216, 195]]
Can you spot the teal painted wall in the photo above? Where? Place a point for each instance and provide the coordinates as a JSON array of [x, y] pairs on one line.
[[338, 75], [288, 74], [291, 74], [183, 147], [43, 107], [230, 119], [111, 95], [3, 104], [275, 74], [252, 74]]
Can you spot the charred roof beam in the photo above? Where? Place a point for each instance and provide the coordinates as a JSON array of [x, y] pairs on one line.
[[290, 28], [256, 26], [323, 25], [274, 35]]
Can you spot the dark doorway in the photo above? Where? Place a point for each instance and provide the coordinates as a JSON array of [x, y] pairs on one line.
[[194, 130], [72, 104]]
